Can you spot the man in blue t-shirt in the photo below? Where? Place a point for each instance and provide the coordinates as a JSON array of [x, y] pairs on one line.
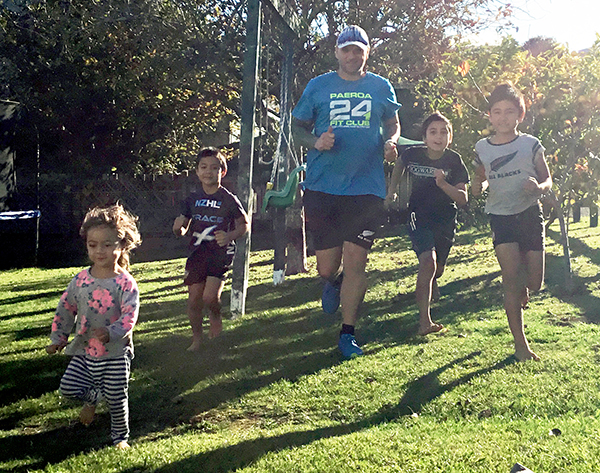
[[348, 120]]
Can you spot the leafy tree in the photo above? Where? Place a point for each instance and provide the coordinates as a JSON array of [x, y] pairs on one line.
[[561, 91], [408, 37], [135, 85], [563, 102], [120, 84]]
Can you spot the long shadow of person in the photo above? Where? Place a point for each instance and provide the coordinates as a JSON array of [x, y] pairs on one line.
[[420, 392]]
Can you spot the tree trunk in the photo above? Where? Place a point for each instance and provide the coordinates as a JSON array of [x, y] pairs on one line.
[[569, 286]]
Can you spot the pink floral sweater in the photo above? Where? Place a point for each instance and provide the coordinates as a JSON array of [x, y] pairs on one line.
[[90, 303]]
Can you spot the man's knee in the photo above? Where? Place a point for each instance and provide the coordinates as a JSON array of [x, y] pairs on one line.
[[195, 303], [535, 285], [328, 263], [355, 258], [327, 272]]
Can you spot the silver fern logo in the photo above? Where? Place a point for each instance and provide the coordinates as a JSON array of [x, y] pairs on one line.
[[502, 161]]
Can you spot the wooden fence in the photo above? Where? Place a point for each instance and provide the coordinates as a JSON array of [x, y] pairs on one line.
[[63, 201]]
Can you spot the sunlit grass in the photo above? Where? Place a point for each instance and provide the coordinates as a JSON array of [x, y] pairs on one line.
[[272, 395]]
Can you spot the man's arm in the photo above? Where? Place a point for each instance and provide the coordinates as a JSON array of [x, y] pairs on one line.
[[304, 136], [391, 134], [394, 182], [302, 132], [391, 129]]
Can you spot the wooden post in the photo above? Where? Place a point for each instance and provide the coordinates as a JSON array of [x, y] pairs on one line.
[[241, 263], [8, 176], [294, 218], [285, 116], [576, 212], [593, 215]]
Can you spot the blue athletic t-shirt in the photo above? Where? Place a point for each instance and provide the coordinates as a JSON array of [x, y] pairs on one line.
[[356, 111]]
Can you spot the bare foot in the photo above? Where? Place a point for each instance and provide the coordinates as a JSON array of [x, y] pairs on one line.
[[435, 291], [196, 344], [526, 354], [122, 445], [433, 328], [216, 327], [525, 298], [86, 416]]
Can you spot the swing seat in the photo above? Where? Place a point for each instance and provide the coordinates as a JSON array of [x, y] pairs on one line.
[[406, 142], [286, 196]]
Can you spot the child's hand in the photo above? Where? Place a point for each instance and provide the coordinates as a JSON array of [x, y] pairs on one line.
[[101, 333], [389, 200], [531, 186], [440, 177], [55, 348], [480, 182], [179, 228], [390, 151], [222, 238], [326, 140]]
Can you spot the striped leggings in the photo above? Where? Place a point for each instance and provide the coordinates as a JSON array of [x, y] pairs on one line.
[[89, 380]]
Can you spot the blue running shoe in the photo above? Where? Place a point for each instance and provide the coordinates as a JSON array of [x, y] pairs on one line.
[[348, 346], [330, 299]]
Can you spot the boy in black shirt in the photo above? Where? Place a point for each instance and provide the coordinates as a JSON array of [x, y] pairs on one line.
[[438, 179], [214, 218]]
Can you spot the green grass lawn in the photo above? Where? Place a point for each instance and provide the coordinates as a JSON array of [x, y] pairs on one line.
[[272, 394]]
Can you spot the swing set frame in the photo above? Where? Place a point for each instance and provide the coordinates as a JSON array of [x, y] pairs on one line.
[[290, 22]]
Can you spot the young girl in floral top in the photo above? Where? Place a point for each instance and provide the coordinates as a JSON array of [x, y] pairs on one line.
[[102, 304]]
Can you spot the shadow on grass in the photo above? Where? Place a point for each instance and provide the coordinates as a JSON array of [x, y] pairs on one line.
[[578, 247], [461, 299], [582, 297], [246, 357], [33, 297], [28, 378], [171, 385], [32, 313], [55, 445], [420, 392]]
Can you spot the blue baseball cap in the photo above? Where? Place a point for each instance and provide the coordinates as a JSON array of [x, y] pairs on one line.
[[355, 35]]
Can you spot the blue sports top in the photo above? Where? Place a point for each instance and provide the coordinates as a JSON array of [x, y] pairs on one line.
[[356, 110]]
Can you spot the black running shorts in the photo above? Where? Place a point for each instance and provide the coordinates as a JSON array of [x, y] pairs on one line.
[[334, 219], [525, 228]]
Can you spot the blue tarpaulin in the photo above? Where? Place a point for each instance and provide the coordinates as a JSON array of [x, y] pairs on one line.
[[18, 214], [19, 233]]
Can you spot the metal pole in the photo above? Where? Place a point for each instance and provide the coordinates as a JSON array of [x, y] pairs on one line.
[[241, 264]]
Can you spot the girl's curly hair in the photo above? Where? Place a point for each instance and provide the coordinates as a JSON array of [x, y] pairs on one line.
[[119, 219]]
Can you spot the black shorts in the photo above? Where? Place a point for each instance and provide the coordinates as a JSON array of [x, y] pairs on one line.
[[334, 219], [525, 228], [205, 262], [428, 235]]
